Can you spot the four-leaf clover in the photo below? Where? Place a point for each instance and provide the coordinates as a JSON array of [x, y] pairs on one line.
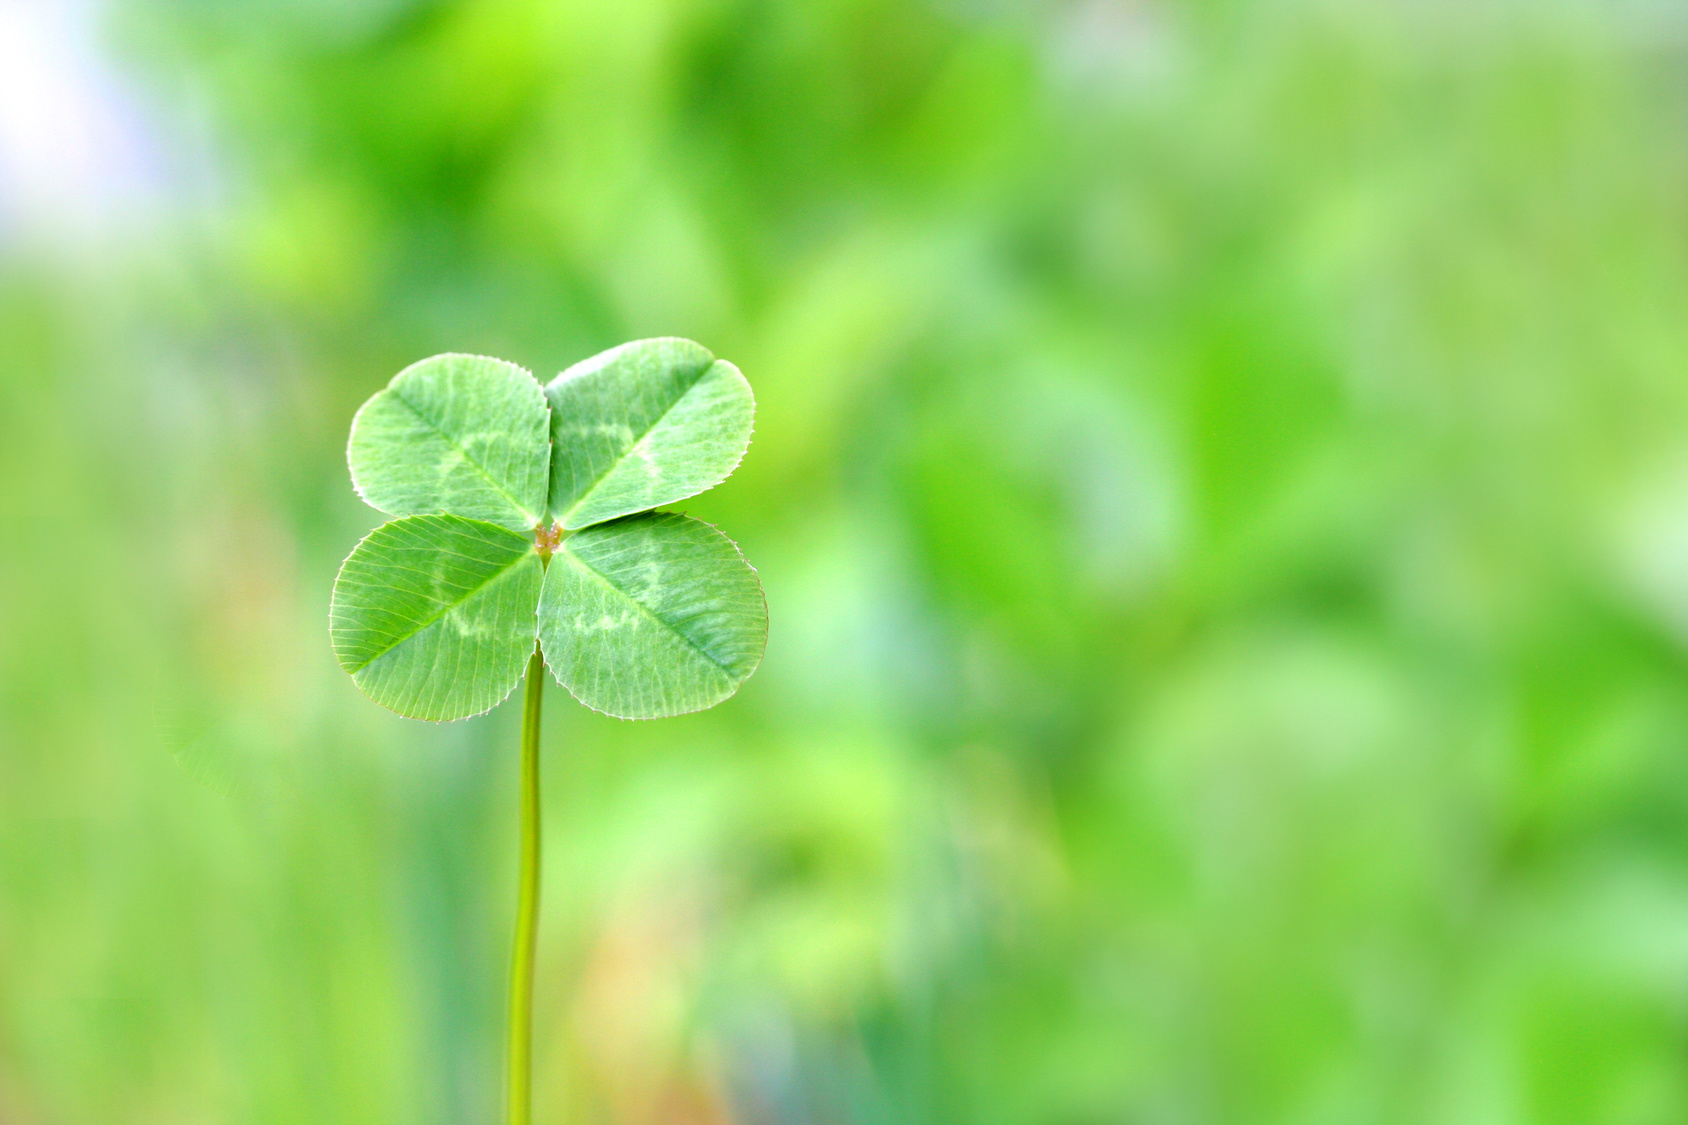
[[524, 517]]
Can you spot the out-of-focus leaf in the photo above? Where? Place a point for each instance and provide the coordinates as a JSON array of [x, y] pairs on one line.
[[641, 425], [653, 615], [462, 434], [433, 616]]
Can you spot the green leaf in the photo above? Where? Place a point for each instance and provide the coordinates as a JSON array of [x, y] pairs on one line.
[[644, 424], [460, 434], [657, 614], [433, 616]]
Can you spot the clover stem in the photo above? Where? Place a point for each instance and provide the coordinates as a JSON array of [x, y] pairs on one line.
[[527, 904]]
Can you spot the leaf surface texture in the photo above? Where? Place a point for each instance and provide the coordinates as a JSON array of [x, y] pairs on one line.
[[457, 434], [641, 425], [652, 615], [433, 615]]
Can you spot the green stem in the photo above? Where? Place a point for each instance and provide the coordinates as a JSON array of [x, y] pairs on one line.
[[527, 904]]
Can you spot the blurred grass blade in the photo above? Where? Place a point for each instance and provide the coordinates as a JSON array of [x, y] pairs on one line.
[[433, 616], [653, 615], [461, 434], [642, 425]]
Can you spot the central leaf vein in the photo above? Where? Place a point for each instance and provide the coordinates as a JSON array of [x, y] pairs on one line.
[[598, 480], [468, 458], [420, 624], [647, 611]]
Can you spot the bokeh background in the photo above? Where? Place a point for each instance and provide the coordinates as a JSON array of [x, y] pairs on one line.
[[1221, 485]]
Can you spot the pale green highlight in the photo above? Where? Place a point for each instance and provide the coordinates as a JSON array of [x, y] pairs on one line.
[[653, 615], [462, 434], [433, 615], [642, 425]]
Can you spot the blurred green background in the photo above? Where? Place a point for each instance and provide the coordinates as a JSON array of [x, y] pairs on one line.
[[1221, 485]]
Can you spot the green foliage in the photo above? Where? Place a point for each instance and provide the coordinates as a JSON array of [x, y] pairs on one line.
[[651, 615], [434, 614], [455, 433], [641, 425], [1222, 472]]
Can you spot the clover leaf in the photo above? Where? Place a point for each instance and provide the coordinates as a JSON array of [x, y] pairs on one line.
[[525, 538], [496, 481], [461, 435], [642, 425]]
